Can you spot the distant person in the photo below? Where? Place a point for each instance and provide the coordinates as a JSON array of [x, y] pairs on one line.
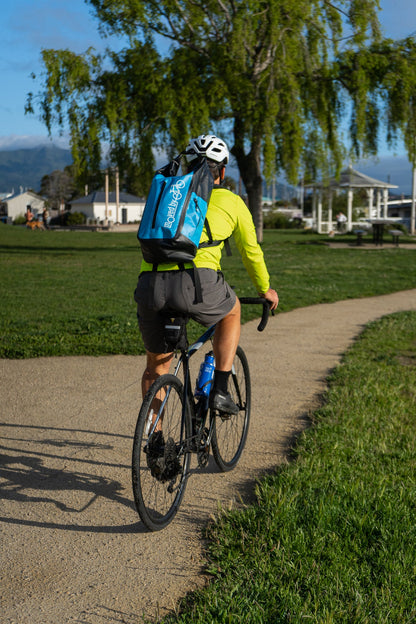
[[29, 215], [341, 220], [45, 218]]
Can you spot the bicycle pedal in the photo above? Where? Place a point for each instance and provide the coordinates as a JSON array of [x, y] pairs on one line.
[[203, 456]]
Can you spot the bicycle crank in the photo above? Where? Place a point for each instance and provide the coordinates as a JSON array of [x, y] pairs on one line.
[[203, 448]]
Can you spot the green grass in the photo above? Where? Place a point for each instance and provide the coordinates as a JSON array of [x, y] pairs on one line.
[[69, 293], [332, 538]]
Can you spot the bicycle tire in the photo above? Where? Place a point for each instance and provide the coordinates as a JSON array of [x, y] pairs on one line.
[[159, 481], [230, 432]]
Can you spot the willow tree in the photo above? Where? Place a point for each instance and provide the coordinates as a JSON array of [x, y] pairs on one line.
[[263, 72], [381, 81]]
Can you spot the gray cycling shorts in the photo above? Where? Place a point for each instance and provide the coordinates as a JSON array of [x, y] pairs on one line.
[[161, 291]]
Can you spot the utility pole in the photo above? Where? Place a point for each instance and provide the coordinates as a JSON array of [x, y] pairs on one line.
[[106, 198], [117, 195], [302, 196]]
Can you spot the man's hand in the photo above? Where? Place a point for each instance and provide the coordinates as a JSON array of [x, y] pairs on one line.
[[272, 296]]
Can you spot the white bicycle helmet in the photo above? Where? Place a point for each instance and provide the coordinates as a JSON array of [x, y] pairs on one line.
[[210, 146]]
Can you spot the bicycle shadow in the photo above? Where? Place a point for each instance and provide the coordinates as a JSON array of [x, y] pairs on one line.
[[33, 472]]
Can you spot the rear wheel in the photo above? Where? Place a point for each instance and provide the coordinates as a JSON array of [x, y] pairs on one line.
[[230, 431], [160, 463]]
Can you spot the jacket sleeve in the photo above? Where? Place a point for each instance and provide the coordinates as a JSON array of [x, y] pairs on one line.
[[251, 252]]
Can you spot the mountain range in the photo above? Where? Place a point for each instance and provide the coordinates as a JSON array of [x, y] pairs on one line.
[[23, 169]]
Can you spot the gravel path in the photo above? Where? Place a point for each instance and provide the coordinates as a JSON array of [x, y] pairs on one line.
[[72, 547]]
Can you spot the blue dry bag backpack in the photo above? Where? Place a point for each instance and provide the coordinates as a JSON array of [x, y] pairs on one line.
[[175, 214]]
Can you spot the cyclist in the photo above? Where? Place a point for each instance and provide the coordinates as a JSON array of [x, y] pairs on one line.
[[170, 288]]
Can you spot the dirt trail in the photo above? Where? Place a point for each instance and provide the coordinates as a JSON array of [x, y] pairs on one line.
[[72, 547]]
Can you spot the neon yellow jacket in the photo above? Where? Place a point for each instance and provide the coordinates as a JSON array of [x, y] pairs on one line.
[[227, 216]]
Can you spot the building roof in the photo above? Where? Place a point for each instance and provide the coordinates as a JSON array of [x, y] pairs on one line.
[[350, 178], [98, 197], [13, 195]]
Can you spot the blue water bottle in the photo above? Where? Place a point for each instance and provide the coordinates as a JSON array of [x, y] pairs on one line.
[[205, 377]]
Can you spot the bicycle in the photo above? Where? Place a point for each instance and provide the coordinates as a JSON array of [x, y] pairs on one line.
[[173, 423]]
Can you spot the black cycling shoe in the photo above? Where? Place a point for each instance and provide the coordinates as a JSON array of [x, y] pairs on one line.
[[222, 402]]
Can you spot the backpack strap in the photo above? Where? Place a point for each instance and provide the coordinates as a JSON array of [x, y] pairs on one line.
[[227, 247], [198, 287], [213, 243], [208, 229], [197, 281]]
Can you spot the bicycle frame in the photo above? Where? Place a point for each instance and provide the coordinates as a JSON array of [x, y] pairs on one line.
[[184, 358]]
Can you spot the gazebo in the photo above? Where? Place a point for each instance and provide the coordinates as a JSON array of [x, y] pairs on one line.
[[351, 179]]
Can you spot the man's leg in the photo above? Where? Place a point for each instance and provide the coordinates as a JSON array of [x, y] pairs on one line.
[[226, 338], [157, 364]]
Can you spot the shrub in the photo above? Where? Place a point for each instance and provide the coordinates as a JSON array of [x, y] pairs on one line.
[[69, 218], [278, 221], [76, 218], [20, 220]]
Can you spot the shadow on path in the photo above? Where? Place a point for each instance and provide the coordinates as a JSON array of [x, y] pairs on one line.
[[32, 475]]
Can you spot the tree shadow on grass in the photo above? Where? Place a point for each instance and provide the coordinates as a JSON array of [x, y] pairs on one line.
[[59, 250]]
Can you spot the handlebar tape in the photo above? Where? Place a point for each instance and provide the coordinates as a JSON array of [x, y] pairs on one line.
[[266, 309]]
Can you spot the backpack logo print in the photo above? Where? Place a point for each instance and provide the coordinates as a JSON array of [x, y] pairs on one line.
[[175, 191]]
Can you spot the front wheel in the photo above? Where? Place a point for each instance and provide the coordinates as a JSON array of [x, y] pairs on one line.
[[161, 458], [229, 431]]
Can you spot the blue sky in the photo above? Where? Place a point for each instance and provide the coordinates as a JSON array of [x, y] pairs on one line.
[[29, 26]]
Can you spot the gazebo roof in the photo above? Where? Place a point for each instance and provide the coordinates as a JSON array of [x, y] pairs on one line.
[[350, 178]]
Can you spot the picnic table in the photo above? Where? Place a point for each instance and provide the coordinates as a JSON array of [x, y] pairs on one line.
[[378, 229]]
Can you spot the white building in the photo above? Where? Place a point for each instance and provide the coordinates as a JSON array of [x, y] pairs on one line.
[[401, 209], [15, 205], [96, 209]]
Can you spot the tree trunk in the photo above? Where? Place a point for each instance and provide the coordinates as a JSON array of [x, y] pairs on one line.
[[254, 188], [250, 171]]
